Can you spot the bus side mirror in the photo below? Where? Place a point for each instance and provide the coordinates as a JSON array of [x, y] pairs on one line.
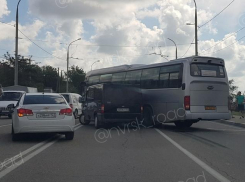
[[183, 86]]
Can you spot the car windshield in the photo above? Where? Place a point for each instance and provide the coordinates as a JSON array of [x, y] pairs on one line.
[[43, 99], [10, 96]]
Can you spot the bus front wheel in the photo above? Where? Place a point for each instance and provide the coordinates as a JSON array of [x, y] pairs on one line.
[[148, 117]]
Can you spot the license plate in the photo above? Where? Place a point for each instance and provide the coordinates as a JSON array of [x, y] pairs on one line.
[[47, 115], [4, 111], [210, 107], [122, 109]]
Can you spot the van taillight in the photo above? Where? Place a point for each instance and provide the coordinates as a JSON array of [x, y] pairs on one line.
[[24, 112], [67, 111], [102, 109], [187, 102]]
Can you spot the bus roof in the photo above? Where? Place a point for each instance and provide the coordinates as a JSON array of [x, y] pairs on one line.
[[123, 68], [113, 69]]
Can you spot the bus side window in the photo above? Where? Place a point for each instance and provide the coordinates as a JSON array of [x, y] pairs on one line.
[[94, 79], [164, 80], [118, 77], [150, 78], [133, 78], [171, 76], [105, 78]]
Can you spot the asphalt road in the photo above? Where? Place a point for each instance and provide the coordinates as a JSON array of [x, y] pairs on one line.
[[207, 152]]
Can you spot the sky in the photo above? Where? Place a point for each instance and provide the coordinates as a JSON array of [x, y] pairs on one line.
[[120, 32]]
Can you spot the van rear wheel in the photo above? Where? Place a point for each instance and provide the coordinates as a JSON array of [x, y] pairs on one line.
[[97, 123]]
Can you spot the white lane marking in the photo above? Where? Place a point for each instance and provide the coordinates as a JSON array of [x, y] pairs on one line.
[[210, 170], [28, 157], [33, 154], [5, 125], [77, 125]]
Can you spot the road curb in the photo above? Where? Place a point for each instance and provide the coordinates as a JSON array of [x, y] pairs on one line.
[[232, 123]]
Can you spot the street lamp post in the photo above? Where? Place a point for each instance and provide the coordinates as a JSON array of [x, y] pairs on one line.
[[196, 34], [93, 64], [176, 54], [196, 38], [16, 45], [67, 82]]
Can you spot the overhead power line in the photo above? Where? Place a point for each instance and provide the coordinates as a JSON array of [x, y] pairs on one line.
[[216, 15], [227, 46], [39, 46], [188, 48], [107, 45], [224, 39]]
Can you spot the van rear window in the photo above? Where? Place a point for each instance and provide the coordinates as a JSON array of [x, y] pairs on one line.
[[207, 70]]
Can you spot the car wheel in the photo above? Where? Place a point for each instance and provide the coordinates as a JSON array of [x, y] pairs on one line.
[[83, 121], [147, 117], [15, 137], [97, 123], [10, 116], [69, 136], [76, 114]]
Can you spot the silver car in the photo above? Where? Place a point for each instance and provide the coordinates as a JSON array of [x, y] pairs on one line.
[[43, 113]]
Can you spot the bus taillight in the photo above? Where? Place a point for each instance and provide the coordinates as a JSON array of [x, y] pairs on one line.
[[187, 102]]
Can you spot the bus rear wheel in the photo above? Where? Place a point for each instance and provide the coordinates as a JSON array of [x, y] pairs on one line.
[[183, 124]]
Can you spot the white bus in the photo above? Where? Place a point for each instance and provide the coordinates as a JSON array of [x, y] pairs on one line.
[[182, 91]]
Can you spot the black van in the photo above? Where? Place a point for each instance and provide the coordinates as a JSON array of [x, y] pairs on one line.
[[111, 103]]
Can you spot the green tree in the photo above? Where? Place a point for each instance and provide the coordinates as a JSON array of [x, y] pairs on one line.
[[76, 75], [32, 75], [232, 88], [50, 77]]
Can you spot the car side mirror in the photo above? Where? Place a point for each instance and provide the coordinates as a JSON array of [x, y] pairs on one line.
[[11, 106]]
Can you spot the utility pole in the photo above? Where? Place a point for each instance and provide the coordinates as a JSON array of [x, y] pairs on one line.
[[16, 45], [196, 35], [67, 79], [58, 81]]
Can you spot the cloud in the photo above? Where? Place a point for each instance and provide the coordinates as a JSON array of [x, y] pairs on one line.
[[3, 8], [121, 37]]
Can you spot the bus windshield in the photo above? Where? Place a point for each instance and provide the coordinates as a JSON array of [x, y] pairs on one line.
[[207, 70], [10, 96]]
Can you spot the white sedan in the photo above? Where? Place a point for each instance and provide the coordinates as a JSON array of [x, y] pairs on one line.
[[43, 113]]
